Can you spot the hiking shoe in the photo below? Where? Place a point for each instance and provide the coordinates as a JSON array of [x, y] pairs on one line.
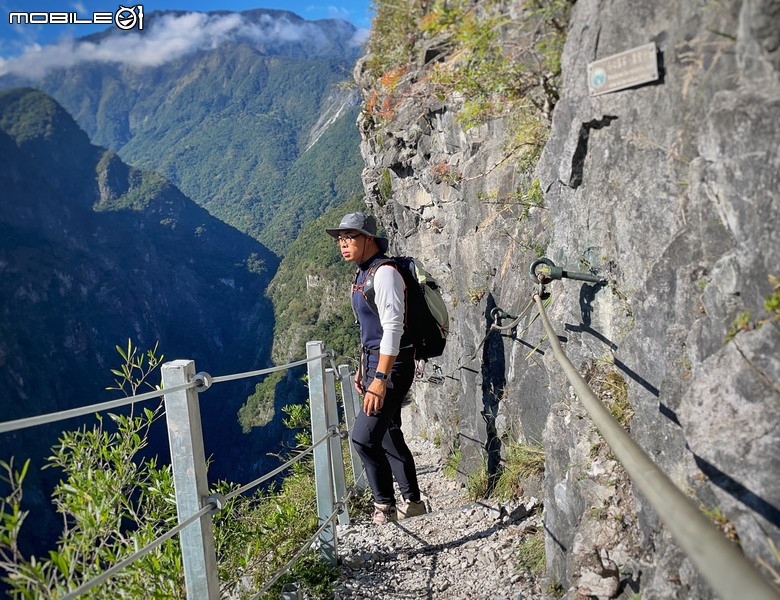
[[411, 509], [384, 513]]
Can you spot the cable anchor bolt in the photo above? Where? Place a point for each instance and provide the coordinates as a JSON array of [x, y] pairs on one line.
[[218, 502], [544, 271], [332, 360], [202, 381], [498, 314]]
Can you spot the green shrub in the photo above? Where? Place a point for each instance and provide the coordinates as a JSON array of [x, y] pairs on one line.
[[500, 66], [393, 33], [385, 187], [114, 502], [452, 467], [478, 483]]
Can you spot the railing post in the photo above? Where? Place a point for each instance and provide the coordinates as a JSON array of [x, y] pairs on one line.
[[336, 454], [351, 407], [323, 476], [188, 460]]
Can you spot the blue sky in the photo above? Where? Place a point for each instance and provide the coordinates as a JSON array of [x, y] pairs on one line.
[[18, 40]]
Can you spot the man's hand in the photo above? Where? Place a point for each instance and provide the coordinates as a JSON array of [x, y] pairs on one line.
[[359, 384], [375, 397]]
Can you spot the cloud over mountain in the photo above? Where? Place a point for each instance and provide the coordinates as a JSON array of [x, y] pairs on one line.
[[167, 36]]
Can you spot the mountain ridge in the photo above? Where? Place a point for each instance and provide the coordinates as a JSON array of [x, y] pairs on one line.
[[228, 121]]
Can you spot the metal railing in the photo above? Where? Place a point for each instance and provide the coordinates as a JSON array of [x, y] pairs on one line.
[[195, 506], [730, 574]]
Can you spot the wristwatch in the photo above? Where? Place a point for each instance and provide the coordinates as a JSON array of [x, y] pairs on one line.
[[380, 376]]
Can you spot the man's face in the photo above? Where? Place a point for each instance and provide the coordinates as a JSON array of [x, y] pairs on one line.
[[352, 245]]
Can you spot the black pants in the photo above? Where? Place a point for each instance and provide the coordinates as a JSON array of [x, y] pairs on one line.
[[379, 440]]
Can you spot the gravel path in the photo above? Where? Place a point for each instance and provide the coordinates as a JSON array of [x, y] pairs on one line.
[[460, 550]]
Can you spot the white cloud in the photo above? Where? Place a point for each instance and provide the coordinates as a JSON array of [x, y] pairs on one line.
[[169, 37], [360, 37]]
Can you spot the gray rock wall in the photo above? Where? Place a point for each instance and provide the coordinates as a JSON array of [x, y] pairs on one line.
[[672, 189], [669, 190]]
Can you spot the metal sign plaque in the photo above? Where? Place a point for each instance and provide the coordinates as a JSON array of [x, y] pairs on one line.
[[620, 71]]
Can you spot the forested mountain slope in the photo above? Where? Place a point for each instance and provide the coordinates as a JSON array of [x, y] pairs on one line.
[[224, 105], [94, 253]]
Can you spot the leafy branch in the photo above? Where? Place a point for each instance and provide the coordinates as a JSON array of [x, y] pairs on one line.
[[133, 373]]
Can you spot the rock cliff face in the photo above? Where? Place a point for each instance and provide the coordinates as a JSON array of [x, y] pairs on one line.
[[669, 191]]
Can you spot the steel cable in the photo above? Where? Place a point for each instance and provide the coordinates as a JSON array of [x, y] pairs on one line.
[[206, 509], [247, 374], [212, 503], [83, 410], [77, 412], [493, 327], [515, 321], [719, 561], [281, 468], [305, 547]]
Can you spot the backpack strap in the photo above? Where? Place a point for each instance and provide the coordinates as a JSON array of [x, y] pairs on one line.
[[367, 287], [354, 288]]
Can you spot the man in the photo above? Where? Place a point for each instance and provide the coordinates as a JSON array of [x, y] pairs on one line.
[[386, 370]]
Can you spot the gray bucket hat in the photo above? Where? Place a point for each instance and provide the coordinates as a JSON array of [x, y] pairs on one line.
[[359, 221]]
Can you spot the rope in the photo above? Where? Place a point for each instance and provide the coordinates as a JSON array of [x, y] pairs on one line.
[[222, 378], [140, 553], [77, 412], [516, 320], [281, 468], [730, 574], [347, 432], [339, 507]]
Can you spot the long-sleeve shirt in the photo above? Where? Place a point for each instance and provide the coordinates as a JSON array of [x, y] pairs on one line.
[[390, 302]]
